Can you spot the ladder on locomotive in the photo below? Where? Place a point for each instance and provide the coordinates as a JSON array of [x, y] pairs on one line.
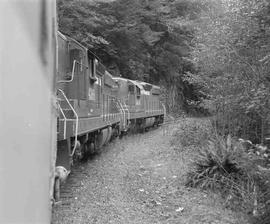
[[67, 114], [124, 112], [125, 107], [67, 111]]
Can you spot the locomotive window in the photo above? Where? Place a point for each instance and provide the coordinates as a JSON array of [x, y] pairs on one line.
[[75, 54], [147, 87], [138, 90], [91, 67], [131, 89]]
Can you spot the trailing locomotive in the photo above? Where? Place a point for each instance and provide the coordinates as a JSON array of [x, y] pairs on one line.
[[94, 106], [57, 93]]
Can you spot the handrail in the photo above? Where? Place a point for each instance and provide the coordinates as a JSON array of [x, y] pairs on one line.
[[164, 110], [102, 109], [77, 120], [122, 111], [73, 71], [65, 120], [126, 109]]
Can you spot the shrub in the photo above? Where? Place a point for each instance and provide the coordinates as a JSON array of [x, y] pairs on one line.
[[192, 132], [225, 167]]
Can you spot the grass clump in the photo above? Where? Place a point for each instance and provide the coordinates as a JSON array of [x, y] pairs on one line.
[[224, 166]]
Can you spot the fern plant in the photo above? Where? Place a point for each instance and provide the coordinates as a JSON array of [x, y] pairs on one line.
[[224, 166]]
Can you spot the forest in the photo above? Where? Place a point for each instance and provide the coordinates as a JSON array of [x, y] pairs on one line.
[[211, 59]]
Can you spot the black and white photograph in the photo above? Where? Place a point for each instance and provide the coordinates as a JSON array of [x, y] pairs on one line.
[[135, 111]]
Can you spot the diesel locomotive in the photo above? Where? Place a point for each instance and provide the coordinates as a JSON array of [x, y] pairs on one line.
[[58, 103], [95, 106]]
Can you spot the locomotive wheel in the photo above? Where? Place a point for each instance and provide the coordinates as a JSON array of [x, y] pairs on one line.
[[121, 135], [118, 133], [84, 152], [78, 155], [92, 147], [141, 128], [135, 129], [115, 133], [97, 145], [109, 135]]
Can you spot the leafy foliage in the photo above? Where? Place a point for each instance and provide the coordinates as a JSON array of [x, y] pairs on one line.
[[237, 169], [138, 39], [192, 132], [231, 54], [225, 167]]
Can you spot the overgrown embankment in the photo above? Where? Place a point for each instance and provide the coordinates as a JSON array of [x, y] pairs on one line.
[[234, 168]]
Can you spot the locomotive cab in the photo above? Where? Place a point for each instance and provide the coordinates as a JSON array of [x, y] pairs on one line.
[[88, 115]]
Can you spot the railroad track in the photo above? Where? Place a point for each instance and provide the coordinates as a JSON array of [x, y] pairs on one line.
[[73, 183], [68, 190]]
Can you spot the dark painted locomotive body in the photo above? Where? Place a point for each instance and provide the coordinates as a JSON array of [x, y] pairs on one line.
[[55, 81], [94, 106]]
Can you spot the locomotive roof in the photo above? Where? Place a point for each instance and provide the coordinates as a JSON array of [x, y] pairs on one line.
[[129, 80], [71, 40], [67, 38], [146, 83], [140, 84], [137, 84], [62, 35], [93, 55]]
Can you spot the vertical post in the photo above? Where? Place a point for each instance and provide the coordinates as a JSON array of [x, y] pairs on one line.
[[103, 98]]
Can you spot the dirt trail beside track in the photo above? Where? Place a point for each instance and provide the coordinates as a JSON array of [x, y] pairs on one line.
[[139, 179]]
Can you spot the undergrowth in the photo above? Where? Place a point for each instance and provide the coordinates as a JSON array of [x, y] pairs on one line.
[[226, 168], [224, 165], [192, 132]]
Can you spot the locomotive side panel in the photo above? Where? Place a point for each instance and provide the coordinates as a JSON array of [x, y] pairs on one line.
[[63, 65], [142, 102], [86, 119]]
